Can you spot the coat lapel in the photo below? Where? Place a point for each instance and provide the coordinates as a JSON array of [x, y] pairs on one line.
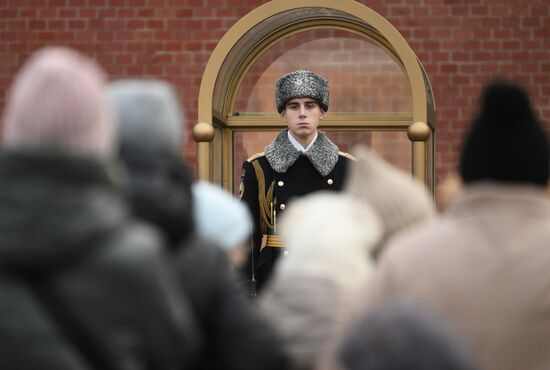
[[281, 154]]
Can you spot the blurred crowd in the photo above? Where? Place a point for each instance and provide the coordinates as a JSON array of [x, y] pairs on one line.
[[113, 257]]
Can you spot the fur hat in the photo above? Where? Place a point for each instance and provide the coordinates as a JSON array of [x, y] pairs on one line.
[[301, 84], [314, 224], [399, 199], [58, 102], [219, 216], [506, 142], [149, 116]]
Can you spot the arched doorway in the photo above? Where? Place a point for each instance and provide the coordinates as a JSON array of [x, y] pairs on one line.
[[380, 94]]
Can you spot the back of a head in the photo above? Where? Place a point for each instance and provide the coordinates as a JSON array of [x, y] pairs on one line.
[[149, 123], [505, 142], [148, 115], [316, 223], [57, 102], [219, 216], [398, 198], [329, 238], [402, 337]]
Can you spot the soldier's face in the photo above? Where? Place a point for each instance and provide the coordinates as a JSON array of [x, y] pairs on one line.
[[302, 116]]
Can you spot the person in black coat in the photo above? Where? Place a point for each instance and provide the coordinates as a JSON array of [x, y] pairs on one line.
[[150, 133], [82, 284], [299, 161]]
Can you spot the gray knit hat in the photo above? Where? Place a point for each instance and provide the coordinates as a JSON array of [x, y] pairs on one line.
[[220, 216], [148, 115], [402, 336], [301, 84], [399, 199]]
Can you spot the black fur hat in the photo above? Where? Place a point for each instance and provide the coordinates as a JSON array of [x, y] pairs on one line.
[[506, 143]]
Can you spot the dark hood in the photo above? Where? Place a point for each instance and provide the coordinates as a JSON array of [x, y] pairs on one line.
[[159, 190], [53, 208]]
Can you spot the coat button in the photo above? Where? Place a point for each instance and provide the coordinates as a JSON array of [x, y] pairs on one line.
[[285, 254], [330, 182], [281, 183], [282, 206]]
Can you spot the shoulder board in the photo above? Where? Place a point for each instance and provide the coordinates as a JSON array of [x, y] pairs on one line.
[[347, 155], [254, 156]]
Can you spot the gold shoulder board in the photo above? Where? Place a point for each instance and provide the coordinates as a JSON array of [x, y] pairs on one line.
[[347, 155], [254, 156]]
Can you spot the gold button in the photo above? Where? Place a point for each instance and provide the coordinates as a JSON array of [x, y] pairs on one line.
[[285, 253], [330, 182], [281, 183], [282, 206]]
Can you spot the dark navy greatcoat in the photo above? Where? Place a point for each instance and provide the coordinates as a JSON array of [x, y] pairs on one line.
[[301, 177]]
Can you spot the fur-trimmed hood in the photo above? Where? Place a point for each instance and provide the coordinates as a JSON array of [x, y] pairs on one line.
[[281, 154], [329, 237]]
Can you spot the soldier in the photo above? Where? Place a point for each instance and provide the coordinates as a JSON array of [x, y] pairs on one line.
[[299, 161]]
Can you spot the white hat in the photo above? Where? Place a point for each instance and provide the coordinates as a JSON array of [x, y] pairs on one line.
[[329, 232], [219, 216]]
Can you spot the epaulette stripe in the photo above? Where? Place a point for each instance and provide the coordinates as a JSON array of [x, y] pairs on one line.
[[347, 155], [254, 156]]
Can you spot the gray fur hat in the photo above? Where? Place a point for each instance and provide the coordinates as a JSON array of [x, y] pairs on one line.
[[301, 84]]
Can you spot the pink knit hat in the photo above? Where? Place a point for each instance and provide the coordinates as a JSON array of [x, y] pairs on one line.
[[57, 102]]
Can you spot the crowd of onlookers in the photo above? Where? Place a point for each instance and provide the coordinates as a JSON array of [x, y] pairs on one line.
[[112, 257]]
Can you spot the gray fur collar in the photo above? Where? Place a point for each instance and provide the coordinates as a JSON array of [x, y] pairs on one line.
[[281, 154]]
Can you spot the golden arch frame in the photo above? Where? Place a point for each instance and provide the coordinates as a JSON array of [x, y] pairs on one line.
[[228, 72]]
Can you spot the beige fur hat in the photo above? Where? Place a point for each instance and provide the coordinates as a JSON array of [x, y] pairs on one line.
[[399, 199], [315, 224]]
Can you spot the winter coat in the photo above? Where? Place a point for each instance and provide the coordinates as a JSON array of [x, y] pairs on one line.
[[236, 337], [81, 285], [484, 266], [312, 290], [285, 174]]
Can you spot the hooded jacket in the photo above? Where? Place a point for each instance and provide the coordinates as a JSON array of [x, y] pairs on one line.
[[236, 336], [81, 285], [483, 266], [312, 291]]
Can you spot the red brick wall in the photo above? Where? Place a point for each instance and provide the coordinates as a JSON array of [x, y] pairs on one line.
[[461, 43], [360, 73]]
